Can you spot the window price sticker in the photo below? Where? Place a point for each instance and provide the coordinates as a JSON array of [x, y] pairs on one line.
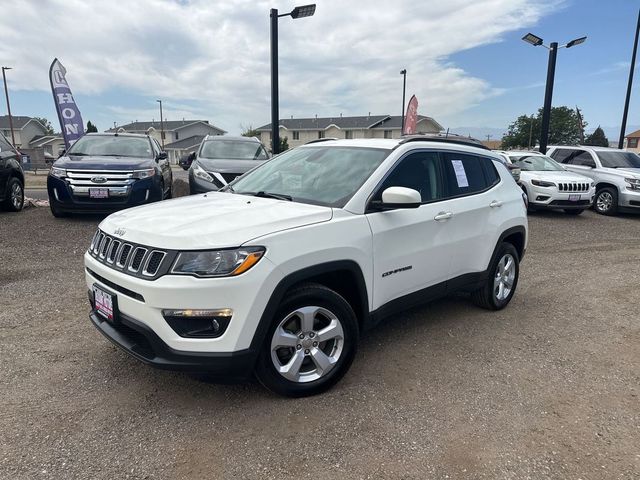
[[461, 175]]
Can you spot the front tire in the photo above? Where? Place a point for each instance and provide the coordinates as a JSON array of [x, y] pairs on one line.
[[310, 344], [573, 211], [606, 201], [15, 196], [499, 288], [56, 212]]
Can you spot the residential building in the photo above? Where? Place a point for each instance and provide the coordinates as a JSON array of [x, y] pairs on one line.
[[302, 130], [174, 130], [632, 142], [24, 129], [51, 144]]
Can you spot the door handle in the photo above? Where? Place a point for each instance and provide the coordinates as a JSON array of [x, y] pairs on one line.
[[443, 216], [495, 204]]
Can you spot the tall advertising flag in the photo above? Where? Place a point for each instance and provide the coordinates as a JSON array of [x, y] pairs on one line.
[[411, 119], [68, 113]]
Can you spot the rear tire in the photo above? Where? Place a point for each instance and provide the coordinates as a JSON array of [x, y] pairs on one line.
[[15, 196], [606, 201], [501, 284], [310, 344], [573, 211]]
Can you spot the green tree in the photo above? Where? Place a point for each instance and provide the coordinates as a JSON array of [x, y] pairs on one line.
[[597, 138], [564, 129], [284, 144], [91, 128], [249, 131], [46, 124]]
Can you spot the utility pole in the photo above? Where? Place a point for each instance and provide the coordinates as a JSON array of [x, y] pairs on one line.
[[403, 72], [6, 93], [580, 125], [626, 101], [161, 124], [530, 132]]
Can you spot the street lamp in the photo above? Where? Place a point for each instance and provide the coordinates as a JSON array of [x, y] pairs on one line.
[[403, 72], [629, 84], [551, 70], [298, 12], [161, 124], [6, 93]]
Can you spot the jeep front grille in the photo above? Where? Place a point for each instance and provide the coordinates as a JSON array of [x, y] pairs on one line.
[[573, 187], [129, 258]]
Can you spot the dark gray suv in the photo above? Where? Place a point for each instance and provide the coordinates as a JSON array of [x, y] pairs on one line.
[[221, 159], [11, 177]]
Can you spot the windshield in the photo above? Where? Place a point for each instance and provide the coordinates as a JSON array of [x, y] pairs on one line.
[[320, 175], [233, 150], [619, 159], [112, 146], [536, 163]]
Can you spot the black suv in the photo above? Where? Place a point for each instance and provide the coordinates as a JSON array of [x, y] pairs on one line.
[[104, 172], [11, 177], [222, 159]]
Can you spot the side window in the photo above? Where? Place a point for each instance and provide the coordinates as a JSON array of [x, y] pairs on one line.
[[490, 172], [420, 171], [583, 158], [561, 155], [464, 174]]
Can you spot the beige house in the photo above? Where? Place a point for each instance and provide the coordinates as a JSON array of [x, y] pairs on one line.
[[632, 142], [174, 130], [24, 129], [299, 131]]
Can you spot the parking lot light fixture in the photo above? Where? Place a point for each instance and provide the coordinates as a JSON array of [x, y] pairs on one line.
[[403, 72], [551, 71], [161, 124], [297, 12]]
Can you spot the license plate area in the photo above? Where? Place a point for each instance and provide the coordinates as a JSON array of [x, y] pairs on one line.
[[98, 193], [105, 303], [574, 198]]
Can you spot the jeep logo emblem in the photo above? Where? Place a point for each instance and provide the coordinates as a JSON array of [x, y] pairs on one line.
[[98, 179], [119, 231]]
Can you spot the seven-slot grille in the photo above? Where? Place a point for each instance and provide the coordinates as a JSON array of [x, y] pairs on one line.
[[573, 187], [133, 259]]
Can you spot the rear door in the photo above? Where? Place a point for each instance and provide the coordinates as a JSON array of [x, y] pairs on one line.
[[576, 160], [475, 204], [411, 247]]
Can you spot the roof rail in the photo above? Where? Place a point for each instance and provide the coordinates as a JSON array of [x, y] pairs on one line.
[[318, 140], [446, 138]]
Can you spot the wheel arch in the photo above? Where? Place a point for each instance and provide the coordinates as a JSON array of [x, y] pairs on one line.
[[604, 184], [343, 276], [516, 236]]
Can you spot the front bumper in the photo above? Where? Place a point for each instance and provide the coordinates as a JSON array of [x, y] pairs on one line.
[[143, 191], [139, 341], [629, 198], [549, 197], [197, 185]]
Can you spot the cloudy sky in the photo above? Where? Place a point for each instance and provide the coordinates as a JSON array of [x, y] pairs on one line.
[[210, 59]]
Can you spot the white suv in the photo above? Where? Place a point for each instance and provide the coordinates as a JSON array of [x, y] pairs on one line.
[[279, 272], [616, 174]]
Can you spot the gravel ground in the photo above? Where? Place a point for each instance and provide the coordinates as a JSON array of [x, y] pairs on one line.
[[547, 388]]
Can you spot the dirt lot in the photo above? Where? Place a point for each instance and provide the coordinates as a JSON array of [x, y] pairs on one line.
[[548, 388]]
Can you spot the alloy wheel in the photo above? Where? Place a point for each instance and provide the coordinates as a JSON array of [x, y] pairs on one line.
[[604, 201], [17, 197], [504, 277], [307, 344]]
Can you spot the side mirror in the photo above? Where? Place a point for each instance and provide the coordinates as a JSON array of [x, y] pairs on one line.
[[161, 156], [398, 197]]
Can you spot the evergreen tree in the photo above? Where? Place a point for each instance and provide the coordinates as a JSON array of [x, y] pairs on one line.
[[597, 138]]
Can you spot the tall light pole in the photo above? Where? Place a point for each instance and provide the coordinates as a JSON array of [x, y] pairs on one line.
[[403, 72], [626, 101], [298, 12], [6, 93], [161, 124], [551, 71]]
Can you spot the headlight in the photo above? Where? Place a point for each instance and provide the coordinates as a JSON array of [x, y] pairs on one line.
[[634, 183], [217, 263], [542, 183], [144, 173], [58, 172], [199, 172]]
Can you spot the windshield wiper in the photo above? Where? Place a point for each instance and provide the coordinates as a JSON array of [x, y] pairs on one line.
[[279, 196], [79, 154]]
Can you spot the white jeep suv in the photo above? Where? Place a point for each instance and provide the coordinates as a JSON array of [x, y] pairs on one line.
[[279, 272], [616, 174]]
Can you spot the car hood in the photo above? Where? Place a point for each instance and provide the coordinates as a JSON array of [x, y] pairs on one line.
[[635, 171], [228, 166], [555, 176], [210, 220], [73, 162]]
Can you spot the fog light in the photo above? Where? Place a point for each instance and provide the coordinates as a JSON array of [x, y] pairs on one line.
[[198, 323]]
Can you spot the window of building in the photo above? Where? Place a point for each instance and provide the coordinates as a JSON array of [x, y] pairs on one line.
[[321, 134], [348, 134], [632, 142], [296, 135], [387, 134], [177, 136]]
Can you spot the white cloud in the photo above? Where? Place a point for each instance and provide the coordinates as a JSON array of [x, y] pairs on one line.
[[216, 53]]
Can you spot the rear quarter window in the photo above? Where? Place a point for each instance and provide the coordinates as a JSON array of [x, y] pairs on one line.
[[467, 174]]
